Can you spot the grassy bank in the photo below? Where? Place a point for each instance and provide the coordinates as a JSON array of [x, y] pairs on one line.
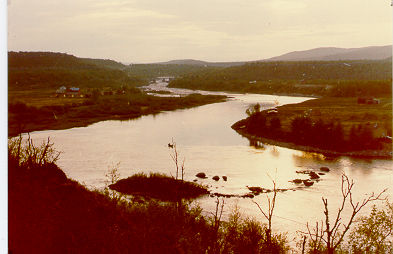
[[333, 126], [61, 113]]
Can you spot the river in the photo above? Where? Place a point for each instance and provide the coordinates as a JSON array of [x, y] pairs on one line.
[[206, 141]]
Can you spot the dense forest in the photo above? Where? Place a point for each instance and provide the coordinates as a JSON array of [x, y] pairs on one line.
[[323, 78], [37, 70]]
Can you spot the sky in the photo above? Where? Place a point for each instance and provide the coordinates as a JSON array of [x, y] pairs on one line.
[[143, 31]]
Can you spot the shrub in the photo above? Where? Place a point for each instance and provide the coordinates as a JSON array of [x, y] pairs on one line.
[[373, 233], [158, 186]]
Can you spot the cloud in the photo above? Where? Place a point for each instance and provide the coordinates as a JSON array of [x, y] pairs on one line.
[[145, 30]]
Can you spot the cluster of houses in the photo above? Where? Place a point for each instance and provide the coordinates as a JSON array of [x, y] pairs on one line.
[[75, 92], [68, 92], [368, 100]]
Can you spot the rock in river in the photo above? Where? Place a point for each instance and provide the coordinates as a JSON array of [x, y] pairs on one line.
[[216, 178], [314, 175], [297, 181], [255, 190], [201, 175], [325, 169], [307, 183]]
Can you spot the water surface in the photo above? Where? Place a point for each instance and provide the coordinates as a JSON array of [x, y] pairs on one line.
[[208, 144]]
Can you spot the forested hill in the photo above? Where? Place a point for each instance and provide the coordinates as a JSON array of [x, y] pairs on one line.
[[56, 60], [29, 70], [325, 78]]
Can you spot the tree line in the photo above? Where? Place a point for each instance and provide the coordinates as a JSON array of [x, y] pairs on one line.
[[316, 133], [324, 78]]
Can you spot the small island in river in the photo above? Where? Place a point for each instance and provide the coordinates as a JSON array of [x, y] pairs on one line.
[[331, 126]]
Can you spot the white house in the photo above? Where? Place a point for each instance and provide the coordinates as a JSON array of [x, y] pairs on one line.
[[61, 90]]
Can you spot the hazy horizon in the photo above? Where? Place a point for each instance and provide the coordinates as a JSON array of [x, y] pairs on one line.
[[136, 31]]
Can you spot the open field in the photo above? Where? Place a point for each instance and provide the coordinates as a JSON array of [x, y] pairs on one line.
[[344, 110]]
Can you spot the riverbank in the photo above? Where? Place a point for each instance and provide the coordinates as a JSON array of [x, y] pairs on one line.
[[50, 213], [383, 154], [331, 126], [59, 113]]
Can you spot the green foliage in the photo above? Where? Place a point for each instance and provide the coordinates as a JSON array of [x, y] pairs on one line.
[[373, 233], [254, 109], [245, 235], [275, 124]]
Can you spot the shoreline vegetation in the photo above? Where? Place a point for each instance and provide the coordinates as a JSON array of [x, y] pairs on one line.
[[330, 126], [372, 154], [340, 125], [310, 78], [24, 118], [50, 213]]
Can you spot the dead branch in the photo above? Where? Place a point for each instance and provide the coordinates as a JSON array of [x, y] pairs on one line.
[[336, 231]]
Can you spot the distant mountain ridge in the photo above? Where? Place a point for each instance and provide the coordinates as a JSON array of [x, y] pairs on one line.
[[336, 54], [317, 54]]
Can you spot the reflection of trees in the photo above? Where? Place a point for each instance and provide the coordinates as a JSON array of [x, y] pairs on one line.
[[257, 144], [316, 160], [275, 151], [306, 157]]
